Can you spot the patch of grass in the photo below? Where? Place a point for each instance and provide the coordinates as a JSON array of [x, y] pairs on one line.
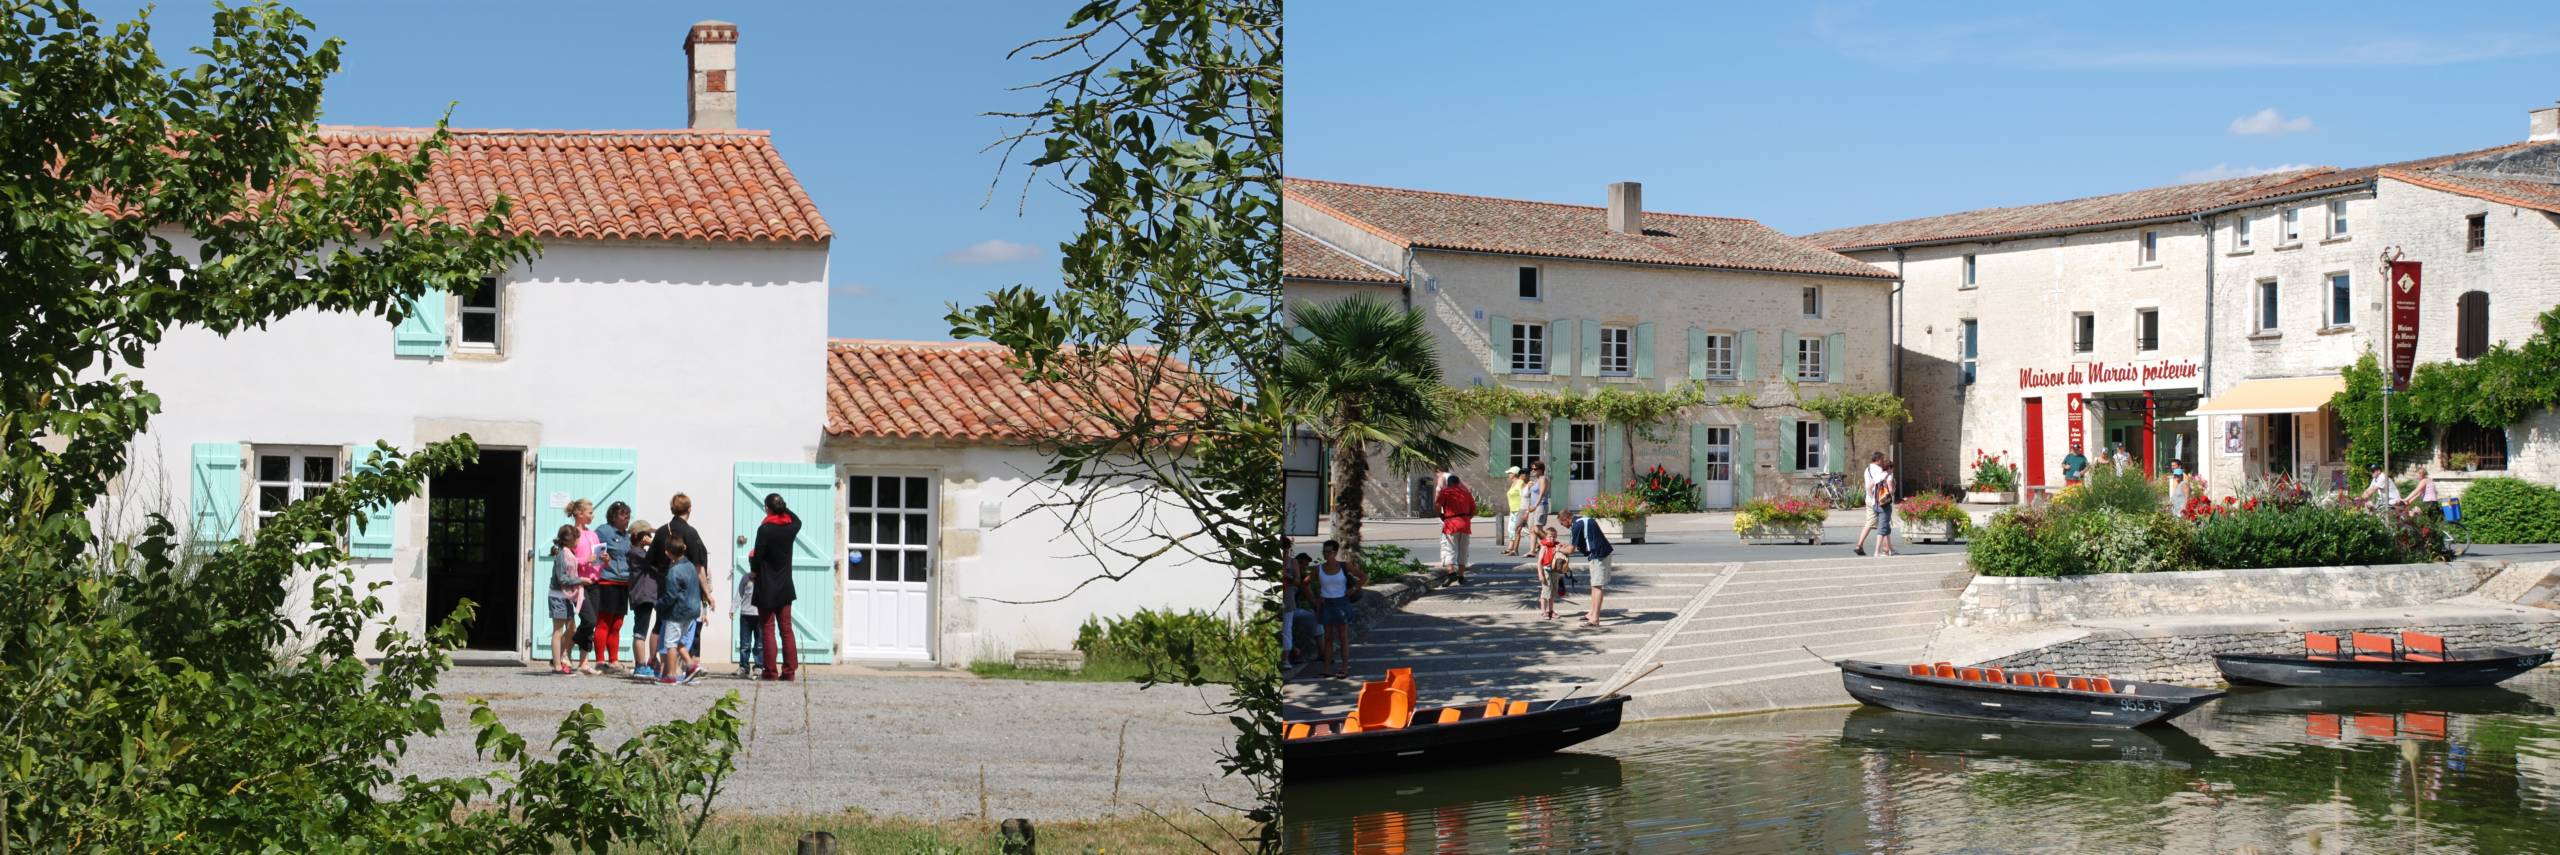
[[1097, 669], [856, 831]]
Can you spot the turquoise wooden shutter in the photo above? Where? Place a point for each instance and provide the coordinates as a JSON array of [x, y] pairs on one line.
[[560, 476], [214, 500], [1497, 453], [371, 535], [422, 333], [1698, 458], [1787, 359], [1644, 351], [1835, 447], [1746, 346], [1697, 354], [1786, 445], [1613, 458], [1560, 347], [1559, 462], [1498, 328], [1835, 358], [1746, 460], [1590, 348], [810, 490]]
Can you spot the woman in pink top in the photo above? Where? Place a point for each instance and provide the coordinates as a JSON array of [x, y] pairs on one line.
[[590, 568]]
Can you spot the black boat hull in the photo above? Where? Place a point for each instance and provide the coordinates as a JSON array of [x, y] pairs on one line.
[[1880, 685], [2469, 668], [1545, 729], [1876, 727]]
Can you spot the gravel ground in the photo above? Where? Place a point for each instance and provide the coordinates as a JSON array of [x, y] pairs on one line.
[[892, 744]]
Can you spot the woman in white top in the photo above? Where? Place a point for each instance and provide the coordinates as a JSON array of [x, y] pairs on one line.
[[1533, 505], [2177, 487], [2425, 489]]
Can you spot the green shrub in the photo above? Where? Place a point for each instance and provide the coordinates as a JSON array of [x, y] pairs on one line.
[[2021, 542], [1162, 642], [1665, 491], [2509, 510], [2308, 536], [2131, 493], [1386, 563], [2044, 542]]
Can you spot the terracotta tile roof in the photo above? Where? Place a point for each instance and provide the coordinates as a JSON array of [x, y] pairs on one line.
[[1304, 257], [2347, 177], [674, 185], [1430, 220], [2523, 193], [2091, 212], [966, 391]]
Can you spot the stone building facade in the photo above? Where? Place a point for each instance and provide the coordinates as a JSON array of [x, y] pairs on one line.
[[1569, 299]]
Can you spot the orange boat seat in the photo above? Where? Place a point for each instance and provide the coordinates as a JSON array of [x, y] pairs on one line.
[[2423, 647], [1299, 730], [2049, 680], [2325, 725], [2320, 646], [1996, 675], [1519, 707], [1946, 671], [1351, 723], [2022, 678], [1383, 706], [2376, 648], [2076, 684], [2102, 685], [1971, 675], [1493, 708], [1449, 715], [1401, 679], [1922, 671]]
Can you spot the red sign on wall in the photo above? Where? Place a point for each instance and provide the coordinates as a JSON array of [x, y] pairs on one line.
[[2404, 288], [2071, 410]]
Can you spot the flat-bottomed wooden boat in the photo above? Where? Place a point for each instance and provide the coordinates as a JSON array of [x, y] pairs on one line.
[[2413, 659], [1386, 733], [2033, 697]]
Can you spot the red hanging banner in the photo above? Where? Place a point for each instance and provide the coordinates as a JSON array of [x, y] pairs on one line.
[[2404, 287], [2071, 409]]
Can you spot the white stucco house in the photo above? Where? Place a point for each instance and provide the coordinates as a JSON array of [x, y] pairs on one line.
[[670, 338]]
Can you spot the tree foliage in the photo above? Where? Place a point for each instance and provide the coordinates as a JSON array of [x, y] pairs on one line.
[[1364, 374], [2501, 387], [2360, 405], [154, 694], [1165, 122]]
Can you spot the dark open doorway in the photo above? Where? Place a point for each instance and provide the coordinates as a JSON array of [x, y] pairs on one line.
[[473, 518]]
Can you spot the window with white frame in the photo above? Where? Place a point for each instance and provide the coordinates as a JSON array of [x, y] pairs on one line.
[[2341, 300], [2146, 329], [1531, 287], [2240, 232], [1809, 367], [1808, 446], [1582, 452], [1528, 443], [1528, 347], [1719, 356], [2267, 303], [1813, 301], [1970, 348], [2289, 225], [2150, 248], [2084, 332], [1970, 268], [2338, 218], [1617, 351], [480, 316], [289, 474]]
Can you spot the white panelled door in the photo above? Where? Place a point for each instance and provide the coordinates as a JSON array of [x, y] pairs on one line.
[[1718, 485], [1582, 464], [890, 562]]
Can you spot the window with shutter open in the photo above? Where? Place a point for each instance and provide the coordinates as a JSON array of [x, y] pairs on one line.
[[2472, 338]]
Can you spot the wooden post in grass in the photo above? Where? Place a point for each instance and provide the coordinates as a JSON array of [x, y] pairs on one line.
[[1017, 837], [817, 843]]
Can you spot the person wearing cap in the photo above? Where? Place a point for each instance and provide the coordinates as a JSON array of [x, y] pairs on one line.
[[1505, 534], [2382, 487], [2074, 466]]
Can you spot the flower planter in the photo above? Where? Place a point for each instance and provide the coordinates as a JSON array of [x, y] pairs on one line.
[[1623, 531], [1794, 532], [1942, 531], [1976, 497]]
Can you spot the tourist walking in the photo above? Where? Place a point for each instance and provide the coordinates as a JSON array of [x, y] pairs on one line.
[[611, 596], [1880, 499], [564, 589], [1876, 511], [1591, 542], [1505, 534], [1337, 582], [2075, 466], [1457, 506], [770, 562], [680, 607]]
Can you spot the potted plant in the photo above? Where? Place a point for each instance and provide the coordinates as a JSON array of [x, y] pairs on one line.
[[1782, 520], [1933, 517], [1621, 516], [1665, 491], [1994, 480], [2463, 460]]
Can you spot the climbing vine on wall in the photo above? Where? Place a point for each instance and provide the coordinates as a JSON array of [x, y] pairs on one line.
[[1645, 411], [2501, 387]]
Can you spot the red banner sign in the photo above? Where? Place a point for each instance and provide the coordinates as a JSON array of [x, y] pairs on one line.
[[2071, 409], [2404, 289]]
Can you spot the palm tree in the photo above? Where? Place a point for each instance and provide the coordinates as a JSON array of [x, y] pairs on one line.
[[1362, 373]]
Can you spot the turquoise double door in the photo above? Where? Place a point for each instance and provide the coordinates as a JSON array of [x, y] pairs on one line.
[[607, 475]]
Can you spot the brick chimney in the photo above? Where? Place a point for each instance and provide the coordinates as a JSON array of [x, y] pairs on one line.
[[2543, 124], [711, 75], [1626, 208]]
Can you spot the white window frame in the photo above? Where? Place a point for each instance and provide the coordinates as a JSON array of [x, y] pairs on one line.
[[1809, 444], [2270, 312], [1972, 270], [1720, 356], [1812, 301], [2151, 314], [1809, 359], [2337, 218], [2329, 304], [1581, 454], [296, 483], [1528, 351], [2241, 235], [1968, 349], [2149, 244], [1617, 351], [1527, 441], [495, 311], [2080, 320], [2289, 225], [1537, 283], [930, 548]]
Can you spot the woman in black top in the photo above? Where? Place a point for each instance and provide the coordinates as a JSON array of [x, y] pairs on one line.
[[771, 564]]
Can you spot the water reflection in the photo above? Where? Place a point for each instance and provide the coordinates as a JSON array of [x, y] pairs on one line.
[[2276, 770]]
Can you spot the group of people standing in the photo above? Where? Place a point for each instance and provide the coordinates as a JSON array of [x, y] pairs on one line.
[[660, 578], [1524, 529]]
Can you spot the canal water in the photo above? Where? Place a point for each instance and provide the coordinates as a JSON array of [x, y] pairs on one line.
[[2260, 771]]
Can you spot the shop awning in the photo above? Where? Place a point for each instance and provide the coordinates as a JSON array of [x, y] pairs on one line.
[[2274, 395]]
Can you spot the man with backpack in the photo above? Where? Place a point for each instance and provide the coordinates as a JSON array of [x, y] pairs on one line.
[[1589, 541]]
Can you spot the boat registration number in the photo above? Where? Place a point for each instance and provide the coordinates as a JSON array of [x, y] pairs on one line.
[[2140, 705]]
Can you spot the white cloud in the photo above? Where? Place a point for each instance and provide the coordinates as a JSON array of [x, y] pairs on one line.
[[2268, 122], [990, 251], [2037, 43], [851, 289], [2221, 171]]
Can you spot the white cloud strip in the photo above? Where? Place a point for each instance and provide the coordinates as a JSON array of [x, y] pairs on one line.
[[990, 252], [2268, 122], [2036, 43]]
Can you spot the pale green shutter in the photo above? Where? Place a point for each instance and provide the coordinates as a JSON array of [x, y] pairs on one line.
[[1746, 460], [214, 499], [1644, 351], [1835, 449], [1835, 358], [563, 475], [817, 555], [1590, 348], [422, 332], [1697, 354], [1560, 347], [1613, 459], [1786, 445], [1698, 457], [1496, 451], [1559, 462], [371, 535], [1498, 330], [1787, 358], [1747, 355]]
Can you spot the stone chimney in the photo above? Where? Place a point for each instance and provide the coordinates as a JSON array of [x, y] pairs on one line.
[[711, 75], [1626, 208], [2544, 124]]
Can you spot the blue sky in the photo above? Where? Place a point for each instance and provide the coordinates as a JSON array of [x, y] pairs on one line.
[[876, 106], [1816, 116]]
